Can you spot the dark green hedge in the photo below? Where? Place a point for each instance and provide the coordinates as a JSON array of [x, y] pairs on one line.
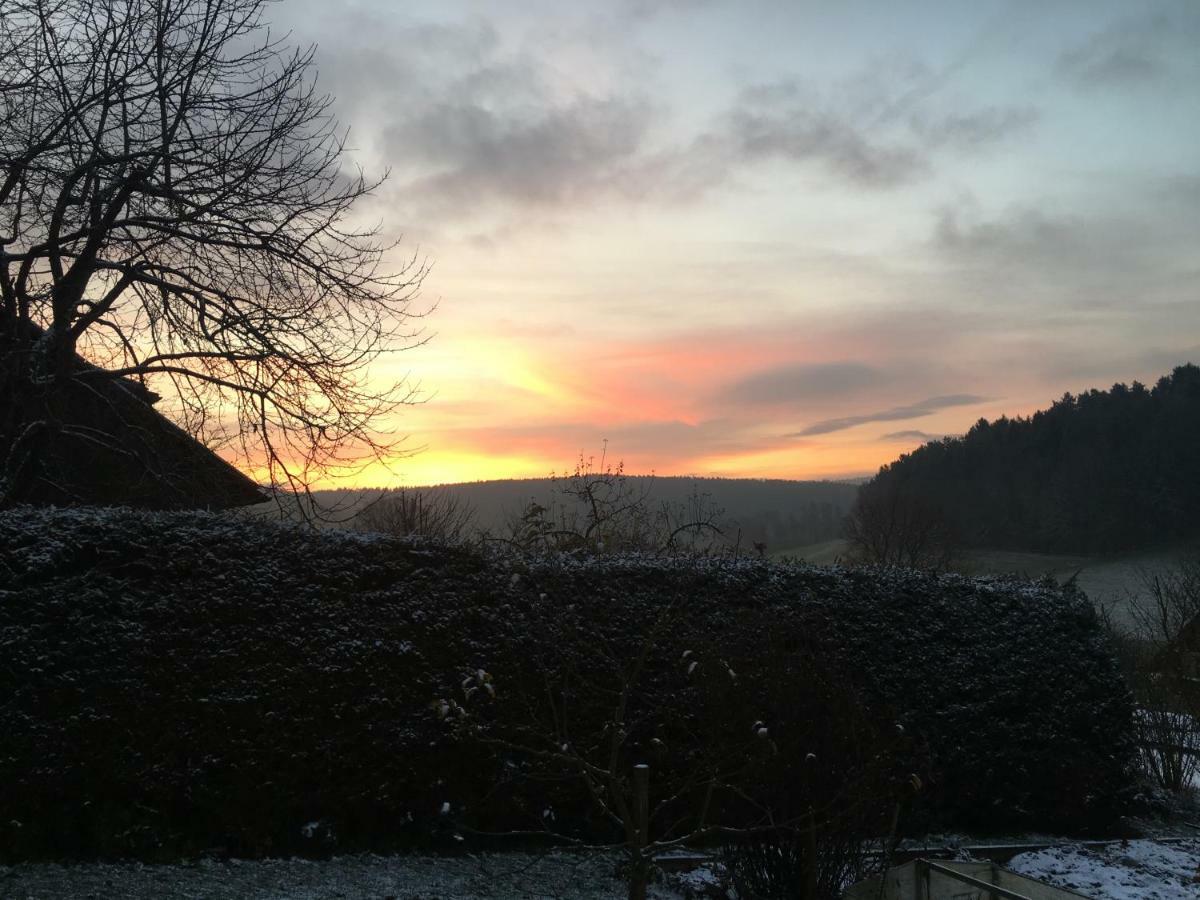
[[181, 682]]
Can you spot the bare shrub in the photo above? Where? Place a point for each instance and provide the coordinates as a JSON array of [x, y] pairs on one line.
[[892, 526], [597, 508], [1168, 743], [1162, 659], [409, 512], [670, 743]]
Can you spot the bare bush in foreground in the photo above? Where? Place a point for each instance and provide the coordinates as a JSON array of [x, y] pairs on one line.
[[599, 509], [411, 512]]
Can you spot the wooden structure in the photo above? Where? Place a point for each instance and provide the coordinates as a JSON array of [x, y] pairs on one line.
[[96, 439], [925, 879]]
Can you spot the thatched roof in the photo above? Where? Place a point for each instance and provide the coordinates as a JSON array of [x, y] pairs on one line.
[[101, 442]]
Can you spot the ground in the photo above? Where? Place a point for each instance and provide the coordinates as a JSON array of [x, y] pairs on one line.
[[1135, 870], [471, 877]]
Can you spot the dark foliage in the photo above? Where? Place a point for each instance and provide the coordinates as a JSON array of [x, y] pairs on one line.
[[176, 682], [838, 781], [890, 525], [1100, 472]]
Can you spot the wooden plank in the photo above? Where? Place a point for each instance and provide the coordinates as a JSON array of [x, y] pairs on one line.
[[997, 891]]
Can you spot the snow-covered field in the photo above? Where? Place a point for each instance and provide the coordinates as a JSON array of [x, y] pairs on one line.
[[1136, 870], [474, 877]]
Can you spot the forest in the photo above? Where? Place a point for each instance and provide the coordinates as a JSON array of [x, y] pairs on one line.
[[1096, 473]]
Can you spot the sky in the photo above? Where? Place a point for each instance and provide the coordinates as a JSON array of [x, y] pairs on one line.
[[767, 238]]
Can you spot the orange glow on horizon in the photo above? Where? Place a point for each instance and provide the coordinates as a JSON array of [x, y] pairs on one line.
[[509, 407]]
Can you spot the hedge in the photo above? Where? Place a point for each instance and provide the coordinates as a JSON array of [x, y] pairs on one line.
[[187, 682]]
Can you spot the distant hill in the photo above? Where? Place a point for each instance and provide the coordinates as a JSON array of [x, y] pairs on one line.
[[777, 513], [1101, 472]]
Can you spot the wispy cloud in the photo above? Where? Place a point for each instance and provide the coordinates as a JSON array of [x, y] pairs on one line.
[[911, 435], [785, 124], [796, 383], [848, 131], [1120, 257], [474, 124], [896, 413], [557, 155], [973, 130], [1126, 52]]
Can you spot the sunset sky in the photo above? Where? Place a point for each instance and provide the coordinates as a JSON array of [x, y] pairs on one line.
[[765, 238]]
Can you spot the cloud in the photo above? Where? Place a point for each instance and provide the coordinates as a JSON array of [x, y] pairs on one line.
[[1087, 368], [471, 119], [794, 383], [476, 125], [669, 439], [974, 130], [850, 130], [645, 10], [1016, 236], [1125, 53], [821, 136], [557, 154], [913, 411], [911, 435], [1120, 258]]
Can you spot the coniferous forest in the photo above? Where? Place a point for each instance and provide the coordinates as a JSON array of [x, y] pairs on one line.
[[1098, 472]]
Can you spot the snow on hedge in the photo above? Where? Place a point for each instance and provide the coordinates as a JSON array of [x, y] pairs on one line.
[[184, 680]]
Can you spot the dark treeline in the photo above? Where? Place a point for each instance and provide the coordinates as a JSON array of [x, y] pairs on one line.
[[1101, 472], [781, 514]]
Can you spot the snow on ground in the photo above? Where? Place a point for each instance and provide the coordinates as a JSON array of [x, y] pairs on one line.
[[474, 877], [1135, 870]]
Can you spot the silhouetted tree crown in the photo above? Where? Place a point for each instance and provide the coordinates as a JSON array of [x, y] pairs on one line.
[[177, 210], [1097, 472]]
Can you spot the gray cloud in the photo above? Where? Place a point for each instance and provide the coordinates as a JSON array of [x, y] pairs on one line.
[[1137, 49], [801, 134], [850, 129], [1088, 369], [1017, 236], [1126, 52], [644, 10], [913, 411], [799, 382], [1133, 259], [911, 435], [975, 130], [472, 124], [554, 155]]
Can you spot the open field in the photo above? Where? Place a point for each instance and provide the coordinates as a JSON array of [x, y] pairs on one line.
[[825, 553], [1110, 582]]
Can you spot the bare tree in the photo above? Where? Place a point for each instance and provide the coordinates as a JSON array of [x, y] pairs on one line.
[[891, 526], [597, 508], [1163, 661], [408, 512], [176, 210]]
